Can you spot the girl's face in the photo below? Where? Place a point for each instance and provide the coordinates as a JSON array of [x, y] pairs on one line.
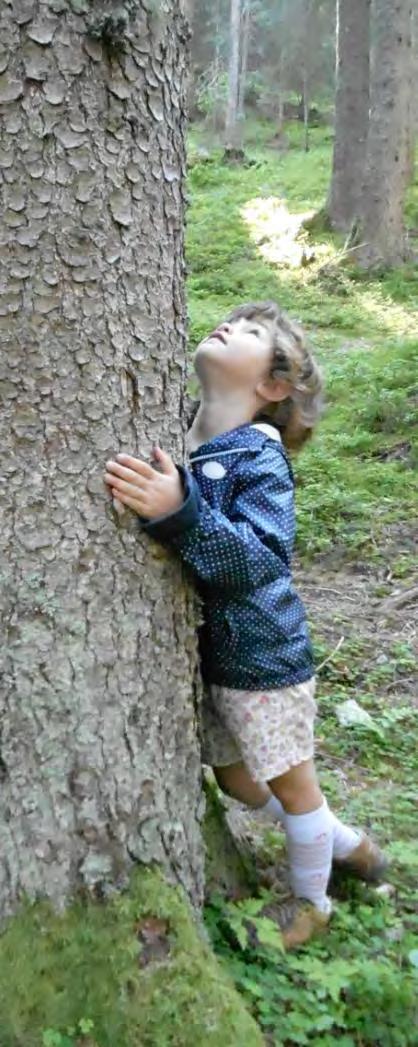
[[237, 356]]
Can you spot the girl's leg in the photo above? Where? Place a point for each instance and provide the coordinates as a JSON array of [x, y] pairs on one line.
[[235, 780], [309, 831], [350, 848], [299, 793]]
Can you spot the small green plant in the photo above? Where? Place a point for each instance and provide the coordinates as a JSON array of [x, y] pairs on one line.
[[245, 919], [73, 1035]]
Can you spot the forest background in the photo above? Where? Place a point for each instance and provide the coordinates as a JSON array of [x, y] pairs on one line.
[[302, 188]]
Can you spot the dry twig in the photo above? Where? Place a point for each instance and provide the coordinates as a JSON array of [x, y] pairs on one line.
[[326, 660]]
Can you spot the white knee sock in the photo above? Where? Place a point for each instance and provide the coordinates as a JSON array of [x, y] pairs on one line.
[[274, 808], [345, 839], [309, 841]]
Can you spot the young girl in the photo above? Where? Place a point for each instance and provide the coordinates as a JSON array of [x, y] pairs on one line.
[[230, 517]]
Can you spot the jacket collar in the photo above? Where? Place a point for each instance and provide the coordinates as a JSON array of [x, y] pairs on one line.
[[244, 436]]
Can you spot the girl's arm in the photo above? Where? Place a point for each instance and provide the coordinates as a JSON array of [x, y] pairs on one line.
[[250, 547]]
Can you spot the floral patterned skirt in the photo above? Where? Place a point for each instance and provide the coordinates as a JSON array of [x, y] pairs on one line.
[[270, 731]]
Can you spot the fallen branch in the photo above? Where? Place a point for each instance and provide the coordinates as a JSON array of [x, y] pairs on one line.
[[407, 596], [326, 660], [326, 589], [401, 680]]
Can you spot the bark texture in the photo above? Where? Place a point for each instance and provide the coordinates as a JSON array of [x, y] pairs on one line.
[[387, 170], [351, 111], [99, 759]]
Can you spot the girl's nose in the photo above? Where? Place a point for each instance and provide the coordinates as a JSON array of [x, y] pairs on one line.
[[225, 327]]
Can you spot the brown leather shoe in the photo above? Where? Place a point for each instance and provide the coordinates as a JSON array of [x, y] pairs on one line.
[[299, 921], [367, 861]]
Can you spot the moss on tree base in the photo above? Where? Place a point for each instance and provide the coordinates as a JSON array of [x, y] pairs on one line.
[[129, 972], [229, 866]]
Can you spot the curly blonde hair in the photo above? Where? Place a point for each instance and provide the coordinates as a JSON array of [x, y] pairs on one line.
[[296, 416]]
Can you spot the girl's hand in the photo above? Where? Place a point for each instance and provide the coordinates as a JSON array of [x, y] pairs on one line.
[[145, 490]]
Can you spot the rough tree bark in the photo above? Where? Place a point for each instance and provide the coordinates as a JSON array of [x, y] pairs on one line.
[[380, 234], [233, 125], [351, 111], [99, 760]]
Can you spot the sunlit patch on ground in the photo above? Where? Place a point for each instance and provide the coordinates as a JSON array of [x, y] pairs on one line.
[[280, 235], [282, 240], [388, 315]]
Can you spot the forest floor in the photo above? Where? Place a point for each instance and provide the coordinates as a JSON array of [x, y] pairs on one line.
[[357, 572]]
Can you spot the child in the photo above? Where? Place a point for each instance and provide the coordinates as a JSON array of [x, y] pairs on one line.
[[230, 518]]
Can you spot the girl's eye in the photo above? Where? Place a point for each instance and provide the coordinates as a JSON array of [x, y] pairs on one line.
[[254, 330]]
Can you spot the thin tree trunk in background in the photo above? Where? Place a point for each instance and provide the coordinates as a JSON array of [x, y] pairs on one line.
[[305, 110], [411, 116], [233, 126], [217, 63], [308, 13], [381, 230], [245, 40], [351, 111], [280, 107], [99, 760]]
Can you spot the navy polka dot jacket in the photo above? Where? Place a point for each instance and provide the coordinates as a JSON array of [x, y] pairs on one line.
[[235, 531]]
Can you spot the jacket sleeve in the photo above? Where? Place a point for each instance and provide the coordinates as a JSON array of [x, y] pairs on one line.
[[246, 549]]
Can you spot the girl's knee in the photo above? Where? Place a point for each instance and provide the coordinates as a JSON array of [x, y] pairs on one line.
[[236, 781], [224, 777], [298, 789]]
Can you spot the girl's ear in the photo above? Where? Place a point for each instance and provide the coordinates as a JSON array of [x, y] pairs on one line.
[[274, 389]]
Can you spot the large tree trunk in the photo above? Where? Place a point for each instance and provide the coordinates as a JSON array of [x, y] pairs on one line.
[[351, 111], [99, 760], [233, 125], [380, 234]]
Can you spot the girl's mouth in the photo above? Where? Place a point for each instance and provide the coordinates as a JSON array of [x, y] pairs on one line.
[[218, 334]]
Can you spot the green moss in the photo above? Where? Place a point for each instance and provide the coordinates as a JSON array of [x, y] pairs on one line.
[[81, 969], [226, 869]]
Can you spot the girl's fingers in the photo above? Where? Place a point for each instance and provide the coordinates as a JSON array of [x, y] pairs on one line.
[[142, 468], [123, 487], [124, 473], [132, 503]]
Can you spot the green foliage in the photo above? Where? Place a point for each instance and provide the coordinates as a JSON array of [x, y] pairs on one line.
[[358, 984], [73, 1036], [358, 473], [82, 976], [245, 918], [211, 92]]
